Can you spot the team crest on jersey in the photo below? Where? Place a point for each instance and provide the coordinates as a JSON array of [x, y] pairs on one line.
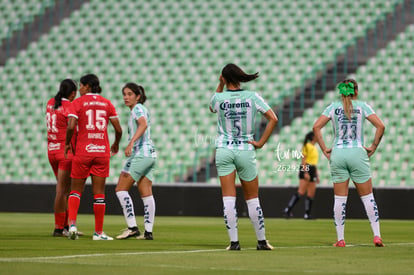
[[92, 148]]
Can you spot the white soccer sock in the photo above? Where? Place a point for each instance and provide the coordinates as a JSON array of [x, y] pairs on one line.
[[127, 207], [149, 212], [339, 215], [257, 218], [230, 217], [372, 213]]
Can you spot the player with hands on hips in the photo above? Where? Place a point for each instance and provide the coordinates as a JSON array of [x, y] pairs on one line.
[[349, 158], [236, 111]]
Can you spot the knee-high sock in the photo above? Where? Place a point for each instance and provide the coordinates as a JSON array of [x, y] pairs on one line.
[[99, 211], [127, 208], [149, 212], [372, 212], [230, 217], [73, 206], [308, 205], [292, 202], [60, 220], [257, 218], [67, 218], [339, 215]]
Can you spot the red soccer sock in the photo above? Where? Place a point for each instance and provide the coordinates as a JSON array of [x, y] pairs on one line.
[[73, 206], [60, 220], [66, 218], [99, 210]]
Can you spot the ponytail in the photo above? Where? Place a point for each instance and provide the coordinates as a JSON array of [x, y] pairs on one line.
[[67, 87], [233, 74], [347, 104], [143, 97], [348, 89], [58, 100]]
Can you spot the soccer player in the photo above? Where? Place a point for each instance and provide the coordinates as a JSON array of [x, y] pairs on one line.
[[91, 113], [236, 149], [349, 158], [57, 110], [141, 158], [308, 177]]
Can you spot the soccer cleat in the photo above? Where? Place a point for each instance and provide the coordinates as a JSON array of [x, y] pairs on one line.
[[308, 217], [340, 243], [378, 242], [147, 236], [233, 246], [264, 245], [58, 233], [128, 233], [101, 237], [65, 232], [73, 233], [287, 213]]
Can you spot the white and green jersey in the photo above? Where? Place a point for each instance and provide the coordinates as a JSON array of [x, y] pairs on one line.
[[143, 146], [236, 111], [348, 133]]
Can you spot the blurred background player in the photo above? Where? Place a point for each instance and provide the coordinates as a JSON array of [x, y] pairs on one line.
[[348, 157], [308, 177], [236, 149], [91, 113], [57, 110], [139, 166]]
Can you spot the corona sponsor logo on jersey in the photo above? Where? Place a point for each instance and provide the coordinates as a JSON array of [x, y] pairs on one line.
[[53, 146], [91, 148], [226, 105]]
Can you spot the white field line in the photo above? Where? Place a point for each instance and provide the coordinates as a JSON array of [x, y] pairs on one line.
[[59, 258]]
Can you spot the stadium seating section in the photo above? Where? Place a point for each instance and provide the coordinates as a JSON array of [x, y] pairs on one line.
[[14, 14], [385, 83], [176, 49]]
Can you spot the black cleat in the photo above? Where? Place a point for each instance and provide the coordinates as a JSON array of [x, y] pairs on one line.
[[287, 213], [147, 236], [234, 246], [264, 245], [58, 233], [308, 217]]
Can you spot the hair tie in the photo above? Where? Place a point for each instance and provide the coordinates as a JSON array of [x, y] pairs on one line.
[[346, 89]]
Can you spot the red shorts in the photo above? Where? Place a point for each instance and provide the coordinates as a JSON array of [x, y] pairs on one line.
[[59, 162], [83, 167]]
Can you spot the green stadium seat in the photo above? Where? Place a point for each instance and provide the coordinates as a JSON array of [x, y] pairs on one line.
[[169, 48]]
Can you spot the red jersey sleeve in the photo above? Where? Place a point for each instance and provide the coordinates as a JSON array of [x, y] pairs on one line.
[[111, 110], [73, 110]]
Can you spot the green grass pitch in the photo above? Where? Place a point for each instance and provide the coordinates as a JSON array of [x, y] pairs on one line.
[[196, 245]]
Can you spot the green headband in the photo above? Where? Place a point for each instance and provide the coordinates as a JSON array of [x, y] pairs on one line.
[[346, 89]]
